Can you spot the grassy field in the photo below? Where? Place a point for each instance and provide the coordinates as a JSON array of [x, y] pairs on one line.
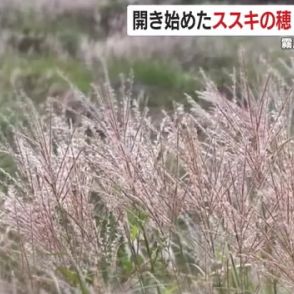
[[130, 165]]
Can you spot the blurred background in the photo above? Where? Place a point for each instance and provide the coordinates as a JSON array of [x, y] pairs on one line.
[[48, 44]]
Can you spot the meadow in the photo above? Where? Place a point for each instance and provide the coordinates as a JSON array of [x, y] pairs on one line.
[[129, 165]]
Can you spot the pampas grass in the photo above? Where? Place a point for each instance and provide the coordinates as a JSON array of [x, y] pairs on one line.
[[201, 202]]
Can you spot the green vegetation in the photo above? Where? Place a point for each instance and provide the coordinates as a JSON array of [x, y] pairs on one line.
[[163, 82], [36, 75]]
